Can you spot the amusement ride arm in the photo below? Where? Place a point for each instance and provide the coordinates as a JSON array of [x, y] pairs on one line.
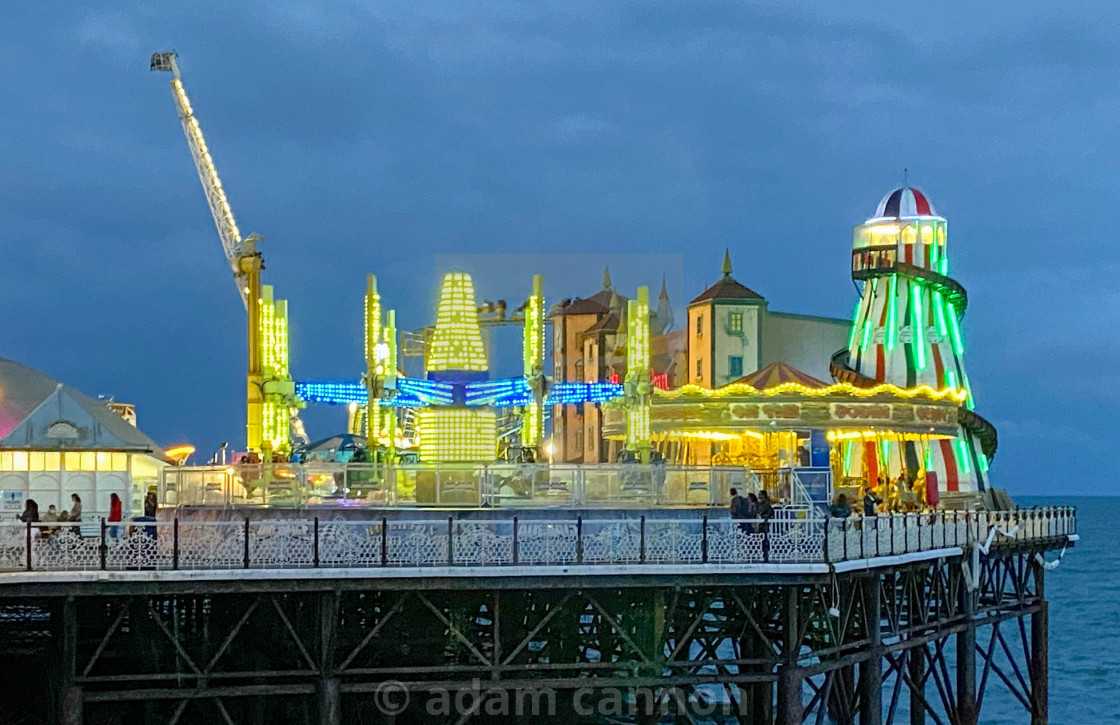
[[233, 245]]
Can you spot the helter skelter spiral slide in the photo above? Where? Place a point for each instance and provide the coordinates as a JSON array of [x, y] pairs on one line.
[[906, 331]]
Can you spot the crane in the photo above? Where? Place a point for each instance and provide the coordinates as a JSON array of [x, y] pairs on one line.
[[271, 401]]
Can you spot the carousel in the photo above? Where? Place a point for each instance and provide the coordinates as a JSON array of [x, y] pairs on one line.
[[786, 426]]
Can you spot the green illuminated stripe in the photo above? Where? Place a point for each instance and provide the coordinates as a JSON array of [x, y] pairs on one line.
[[851, 447], [855, 325], [955, 329], [962, 448], [968, 389], [929, 457], [983, 462], [938, 303], [950, 379], [867, 317], [885, 452], [934, 249], [917, 326], [892, 313]]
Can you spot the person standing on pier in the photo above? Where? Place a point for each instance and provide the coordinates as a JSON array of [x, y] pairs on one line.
[[115, 513], [765, 510], [870, 503], [30, 513], [840, 508], [738, 509], [76, 509]]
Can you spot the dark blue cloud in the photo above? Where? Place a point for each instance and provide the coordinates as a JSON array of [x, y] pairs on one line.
[[370, 138]]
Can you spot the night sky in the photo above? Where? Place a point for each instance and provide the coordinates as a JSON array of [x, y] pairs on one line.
[[393, 137]]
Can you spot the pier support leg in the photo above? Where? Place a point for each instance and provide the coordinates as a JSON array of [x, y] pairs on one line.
[[756, 699], [871, 669], [966, 663], [1040, 653], [72, 706], [915, 663], [70, 695], [329, 707], [791, 677], [328, 693], [790, 701]]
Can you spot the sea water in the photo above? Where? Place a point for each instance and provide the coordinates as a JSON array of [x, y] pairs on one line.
[[1084, 595]]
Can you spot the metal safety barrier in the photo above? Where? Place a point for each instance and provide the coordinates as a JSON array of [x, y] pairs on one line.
[[449, 484], [458, 542]]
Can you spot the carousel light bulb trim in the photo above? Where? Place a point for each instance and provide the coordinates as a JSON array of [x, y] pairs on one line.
[[947, 393]]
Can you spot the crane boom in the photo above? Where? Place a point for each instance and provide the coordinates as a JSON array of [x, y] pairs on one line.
[[233, 245], [271, 402]]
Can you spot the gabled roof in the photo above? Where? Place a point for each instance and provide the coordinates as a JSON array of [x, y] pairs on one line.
[[32, 403], [597, 304], [727, 289], [609, 323]]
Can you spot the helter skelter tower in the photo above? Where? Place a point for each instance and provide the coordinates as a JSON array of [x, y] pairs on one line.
[[906, 331]]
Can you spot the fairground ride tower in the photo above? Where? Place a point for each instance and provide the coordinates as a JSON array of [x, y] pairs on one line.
[[906, 331]]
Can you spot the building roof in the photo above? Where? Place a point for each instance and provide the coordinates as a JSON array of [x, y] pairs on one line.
[[608, 323], [727, 288], [597, 304], [905, 202], [38, 412]]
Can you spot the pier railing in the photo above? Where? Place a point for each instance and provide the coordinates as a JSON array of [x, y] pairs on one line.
[[515, 541]]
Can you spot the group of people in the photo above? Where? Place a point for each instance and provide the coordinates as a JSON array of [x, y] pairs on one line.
[[841, 508], [752, 509], [31, 514]]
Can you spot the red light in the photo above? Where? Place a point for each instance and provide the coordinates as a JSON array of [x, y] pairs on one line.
[[660, 380], [614, 378]]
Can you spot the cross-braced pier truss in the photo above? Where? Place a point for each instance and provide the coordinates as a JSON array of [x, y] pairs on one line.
[[923, 635]]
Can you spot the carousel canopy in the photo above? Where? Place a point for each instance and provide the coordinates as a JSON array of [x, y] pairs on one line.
[[780, 373]]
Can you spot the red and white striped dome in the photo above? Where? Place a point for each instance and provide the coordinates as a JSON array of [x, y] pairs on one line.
[[903, 203]]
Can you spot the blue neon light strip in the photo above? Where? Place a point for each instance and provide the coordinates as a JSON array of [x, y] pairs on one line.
[[496, 392], [431, 392], [575, 393], [333, 392], [417, 393]]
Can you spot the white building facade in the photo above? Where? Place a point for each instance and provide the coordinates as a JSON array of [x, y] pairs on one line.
[[55, 441]]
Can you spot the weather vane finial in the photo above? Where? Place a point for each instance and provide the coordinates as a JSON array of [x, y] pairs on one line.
[[906, 177]]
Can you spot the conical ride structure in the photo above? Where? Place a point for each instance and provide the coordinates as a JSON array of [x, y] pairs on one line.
[[906, 330]]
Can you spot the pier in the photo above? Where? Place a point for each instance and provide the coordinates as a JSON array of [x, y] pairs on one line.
[[673, 615]]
